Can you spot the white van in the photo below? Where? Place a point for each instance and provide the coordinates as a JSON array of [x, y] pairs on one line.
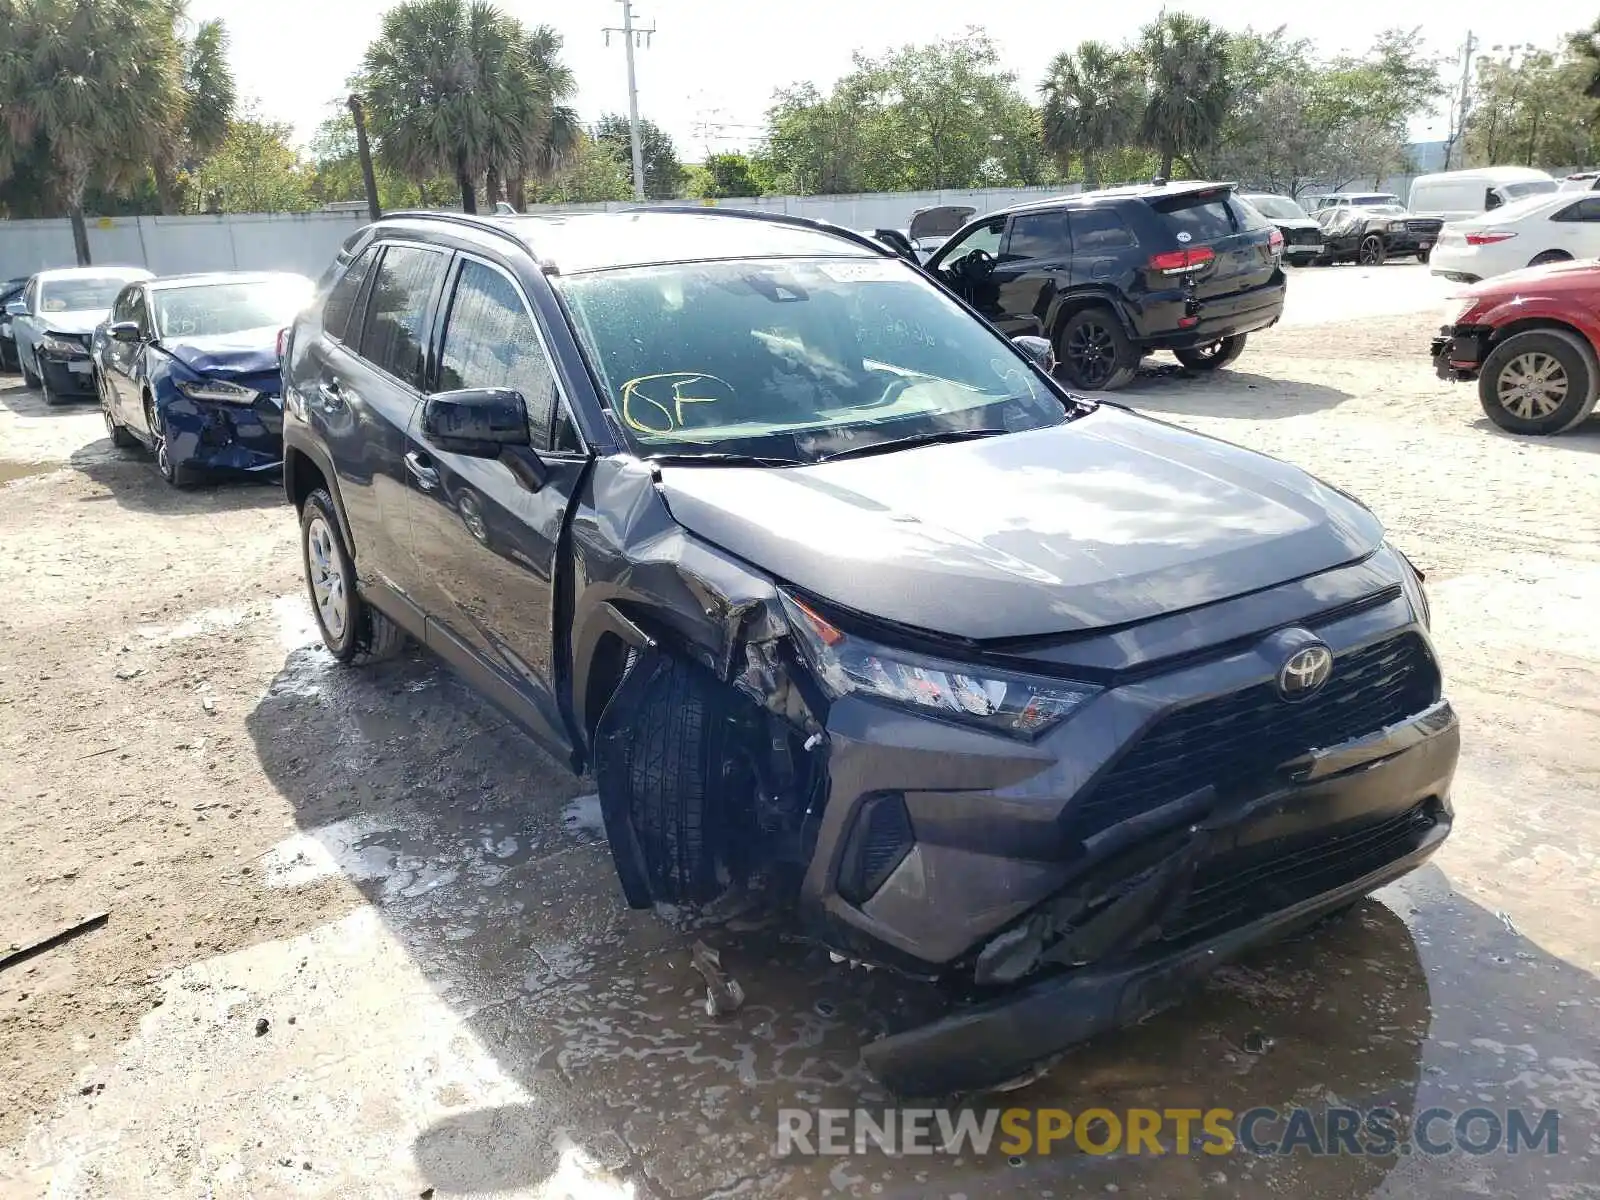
[[1458, 195]]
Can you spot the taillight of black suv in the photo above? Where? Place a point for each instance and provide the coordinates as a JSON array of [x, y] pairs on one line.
[[1110, 276]]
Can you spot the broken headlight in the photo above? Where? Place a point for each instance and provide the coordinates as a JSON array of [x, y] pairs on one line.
[[980, 696], [217, 391]]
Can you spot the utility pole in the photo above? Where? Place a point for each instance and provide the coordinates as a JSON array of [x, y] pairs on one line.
[[632, 36], [1466, 100]]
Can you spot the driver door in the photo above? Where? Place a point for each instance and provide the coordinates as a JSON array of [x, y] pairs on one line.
[[120, 360], [967, 266]]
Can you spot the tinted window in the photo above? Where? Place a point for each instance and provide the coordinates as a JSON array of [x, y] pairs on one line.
[[1205, 218], [1587, 209], [336, 315], [490, 342], [393, 335], [1037, 235], [1096, 230]]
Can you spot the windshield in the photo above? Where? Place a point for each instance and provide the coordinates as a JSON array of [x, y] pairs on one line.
[[795, 359], [80, 295], [1275, 206], [208, 309], [1376, 201], [1533, 187]]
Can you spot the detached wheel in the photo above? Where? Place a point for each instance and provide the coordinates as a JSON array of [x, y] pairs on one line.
[[352, 630], [1213, 355], [1093, 352], [1540, 382], [1372, 252]]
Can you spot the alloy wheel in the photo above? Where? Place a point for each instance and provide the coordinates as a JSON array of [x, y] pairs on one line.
[[328, 586], [1532, 385], [1371, 253], [1093, 352]]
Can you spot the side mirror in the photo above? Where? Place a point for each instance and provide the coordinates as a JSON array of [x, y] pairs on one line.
[[123, 331], [16, 308], [480, 422], [1038, 349]]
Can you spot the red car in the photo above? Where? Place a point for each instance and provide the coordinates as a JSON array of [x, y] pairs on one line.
[[1529, 338]]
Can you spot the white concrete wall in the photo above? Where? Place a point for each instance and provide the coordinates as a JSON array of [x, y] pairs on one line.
[[307, 242]]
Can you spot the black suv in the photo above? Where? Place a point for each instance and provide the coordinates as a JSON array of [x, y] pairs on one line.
[[848, 604], [1109, 276]]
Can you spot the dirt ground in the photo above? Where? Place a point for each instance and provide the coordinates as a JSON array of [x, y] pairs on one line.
[[420, 907]]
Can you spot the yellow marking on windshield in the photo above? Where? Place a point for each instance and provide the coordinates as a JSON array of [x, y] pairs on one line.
[[674, 415]]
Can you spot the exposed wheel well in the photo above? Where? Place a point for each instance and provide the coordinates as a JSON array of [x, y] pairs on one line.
[[1073, 305], [301, 477], [1549, 256], [605, 674]]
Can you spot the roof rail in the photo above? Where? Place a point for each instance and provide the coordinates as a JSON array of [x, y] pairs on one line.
[[477, 221], [775, 218]]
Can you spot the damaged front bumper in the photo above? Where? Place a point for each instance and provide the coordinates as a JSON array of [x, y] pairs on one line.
[[1332, 842], [217, 436]]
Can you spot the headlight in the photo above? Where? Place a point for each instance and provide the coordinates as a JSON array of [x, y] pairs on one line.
[[983, 697], [1411, 581], [217, 391], [1458, 307], [61, 347], [1398, 227]]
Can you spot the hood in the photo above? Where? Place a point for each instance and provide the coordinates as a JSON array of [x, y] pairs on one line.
[[939, 222], [1293, 222], [81, 320], [1579, 277], [246, 353], [1108, 520]]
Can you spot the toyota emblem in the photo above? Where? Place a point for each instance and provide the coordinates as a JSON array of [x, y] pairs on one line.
[[1305, 673]]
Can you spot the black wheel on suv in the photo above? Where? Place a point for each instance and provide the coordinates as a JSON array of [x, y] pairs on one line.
[[1372, 251], [1093, 352], [1213, 355], [1540, 382], [352, 630]]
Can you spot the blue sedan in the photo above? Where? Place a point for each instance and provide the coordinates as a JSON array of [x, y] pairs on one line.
[[188, 367]]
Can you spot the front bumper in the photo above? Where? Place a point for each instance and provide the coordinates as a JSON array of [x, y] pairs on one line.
[[67, 377], [225, 437], [1458, 351]]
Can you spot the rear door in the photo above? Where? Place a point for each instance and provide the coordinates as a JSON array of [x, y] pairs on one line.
[[1239, 238], [369, 368], [486, 537], [1576, 229], [1035, 258]]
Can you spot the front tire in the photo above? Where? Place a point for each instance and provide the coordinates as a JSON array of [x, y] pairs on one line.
[[1541, 382], [1093, 352], [1372, 252], [1213, 356], [352, 630], [174, 472], [1423, 255], [120, 437], [29, 379]]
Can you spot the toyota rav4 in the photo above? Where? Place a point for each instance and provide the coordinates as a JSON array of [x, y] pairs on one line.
[[848, 605]]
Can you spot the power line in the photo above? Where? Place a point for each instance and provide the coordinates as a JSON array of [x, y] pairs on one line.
[[633, 36]]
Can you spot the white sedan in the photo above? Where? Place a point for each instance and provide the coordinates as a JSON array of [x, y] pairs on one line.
[[1555, 227]]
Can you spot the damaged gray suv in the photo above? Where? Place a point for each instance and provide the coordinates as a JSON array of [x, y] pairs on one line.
[[845, 602]]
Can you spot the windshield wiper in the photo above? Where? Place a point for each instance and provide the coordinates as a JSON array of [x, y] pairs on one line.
[[905, 443], [720, 458]]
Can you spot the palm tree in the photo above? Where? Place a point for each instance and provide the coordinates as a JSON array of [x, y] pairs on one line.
[[91, 86], [1093, 100], [1586, 47], [458, 87], [209, 97], [1187, 62]]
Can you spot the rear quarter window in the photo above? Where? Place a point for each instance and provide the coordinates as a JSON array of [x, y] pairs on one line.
[[1205, 217], [342, 299]]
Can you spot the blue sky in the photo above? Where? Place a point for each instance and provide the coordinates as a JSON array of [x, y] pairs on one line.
[[713, 64]]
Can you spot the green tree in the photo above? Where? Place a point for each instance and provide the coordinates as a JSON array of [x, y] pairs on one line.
[[1584, 47], [255, 170], [1188, 93], [336, 170], [590, 174], [458, 87], [1093, 101], [728, 175], [663, 174], [92, 88], [1533, 107], [209, 96]]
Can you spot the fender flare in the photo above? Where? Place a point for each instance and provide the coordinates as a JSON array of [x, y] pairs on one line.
[[319, 458], [1084, 297]]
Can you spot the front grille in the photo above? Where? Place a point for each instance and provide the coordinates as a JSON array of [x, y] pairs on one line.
[[1232, 741], [1431, 227], [1305, 237], [1229, 889]]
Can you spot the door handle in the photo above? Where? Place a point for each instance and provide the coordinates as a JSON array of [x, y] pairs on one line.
[[422, 470]]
